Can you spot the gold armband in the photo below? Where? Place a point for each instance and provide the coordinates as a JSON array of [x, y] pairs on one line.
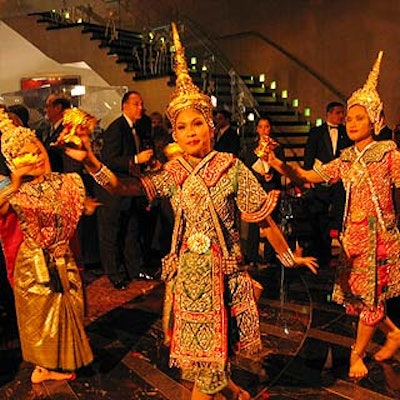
[[287, 258], [317, 168], [103, 176]]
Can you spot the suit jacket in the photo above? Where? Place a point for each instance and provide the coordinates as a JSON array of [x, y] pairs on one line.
[[229, 142], [56, 154], [59, 161], [119, 145], [319, 145]]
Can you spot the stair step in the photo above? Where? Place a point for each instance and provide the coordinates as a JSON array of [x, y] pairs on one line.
[[284, 118], [261, 90], [294, 154], [294, 159], [125, 59], [120, 49], [292, 145], [295, 137], [56, 26]]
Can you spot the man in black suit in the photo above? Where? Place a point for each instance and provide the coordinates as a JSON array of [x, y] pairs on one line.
[[326, 203], [54, 108], [120, 251], [226, 138]]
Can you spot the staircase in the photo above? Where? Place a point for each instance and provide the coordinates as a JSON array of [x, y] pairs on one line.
[[139, 57], [289, 127]]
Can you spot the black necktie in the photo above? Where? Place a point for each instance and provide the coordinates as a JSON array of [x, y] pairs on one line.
[[136, 139]]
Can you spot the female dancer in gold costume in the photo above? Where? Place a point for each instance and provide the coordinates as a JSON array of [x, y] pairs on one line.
[[47, 284], [209, 309], [369, 266]]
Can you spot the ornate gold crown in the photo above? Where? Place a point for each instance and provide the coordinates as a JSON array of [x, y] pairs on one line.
[[13, 138], [368, 96], [186, 94]]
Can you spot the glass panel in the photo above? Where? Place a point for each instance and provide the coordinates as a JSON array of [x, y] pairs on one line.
[[104, 102]]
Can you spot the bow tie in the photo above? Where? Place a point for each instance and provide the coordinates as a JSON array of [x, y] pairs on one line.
[[333, 126]]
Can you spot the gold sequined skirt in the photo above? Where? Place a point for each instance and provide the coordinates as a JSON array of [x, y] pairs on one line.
[[50, 323]]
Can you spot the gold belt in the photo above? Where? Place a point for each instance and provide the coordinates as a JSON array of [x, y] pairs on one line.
[[57, 250]]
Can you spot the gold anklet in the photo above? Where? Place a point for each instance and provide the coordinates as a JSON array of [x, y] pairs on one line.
[[354, 351]]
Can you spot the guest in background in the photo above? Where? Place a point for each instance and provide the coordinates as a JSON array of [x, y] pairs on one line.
[[55, 106], [269, 180], [22, 112], [226, 138], [159, 136], [118, 224], [325, 143]]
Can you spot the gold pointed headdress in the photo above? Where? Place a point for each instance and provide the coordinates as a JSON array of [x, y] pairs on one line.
[[13, 139], [368, 96], [186, 94]]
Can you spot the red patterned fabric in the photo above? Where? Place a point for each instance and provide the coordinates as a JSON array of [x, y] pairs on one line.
[[178, 172], [218, 165], [11, 237], [369, 268]]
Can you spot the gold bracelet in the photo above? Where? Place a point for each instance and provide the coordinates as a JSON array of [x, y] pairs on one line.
[[287, 258], [103, 176]]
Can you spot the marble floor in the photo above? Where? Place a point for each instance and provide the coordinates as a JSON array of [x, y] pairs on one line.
[[306, 345]]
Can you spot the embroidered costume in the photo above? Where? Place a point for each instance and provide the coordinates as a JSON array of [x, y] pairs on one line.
[[47, 285], [369, 267], [209, 307], [206, 283], [43, 215]]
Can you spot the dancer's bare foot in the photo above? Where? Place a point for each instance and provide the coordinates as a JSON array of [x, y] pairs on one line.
[[358, 369], [235, 392], [41, 374], [243, 395], [390, 347]]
